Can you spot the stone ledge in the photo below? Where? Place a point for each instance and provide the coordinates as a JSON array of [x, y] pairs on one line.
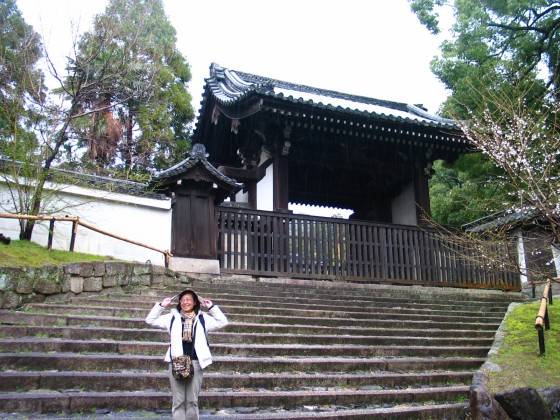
[[21, 285]]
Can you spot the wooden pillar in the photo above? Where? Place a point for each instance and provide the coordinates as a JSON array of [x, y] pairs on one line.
[[280, 183], [252, 193], [422, 195]]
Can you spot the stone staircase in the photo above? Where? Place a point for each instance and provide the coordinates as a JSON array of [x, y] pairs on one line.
[[293, 350]]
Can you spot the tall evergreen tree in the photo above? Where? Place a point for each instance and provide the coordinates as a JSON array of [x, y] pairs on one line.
[[22, 97], [123, 94], [502, 46], [142, 106], [499, 52]]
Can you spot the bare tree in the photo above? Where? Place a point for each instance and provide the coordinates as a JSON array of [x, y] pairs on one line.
[[107, 70], [524, 142]]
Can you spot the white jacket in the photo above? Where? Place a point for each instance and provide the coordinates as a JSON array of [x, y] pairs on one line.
[[213, 320]]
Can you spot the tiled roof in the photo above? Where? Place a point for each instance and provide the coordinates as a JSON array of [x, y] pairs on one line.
[[196, 155], [97, 182], [231, 86], [502, 219]]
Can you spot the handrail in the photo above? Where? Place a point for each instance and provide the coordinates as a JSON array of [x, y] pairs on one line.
[[542, 316], [76, 221]]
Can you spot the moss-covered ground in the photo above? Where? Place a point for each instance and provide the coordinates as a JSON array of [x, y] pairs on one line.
[[519, 357], [29, 254]]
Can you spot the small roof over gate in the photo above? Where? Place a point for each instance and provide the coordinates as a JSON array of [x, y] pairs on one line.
[[196, 168]]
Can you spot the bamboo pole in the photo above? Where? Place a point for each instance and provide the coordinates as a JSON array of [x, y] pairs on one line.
[[87, 225], [28, 217], [540, 320]]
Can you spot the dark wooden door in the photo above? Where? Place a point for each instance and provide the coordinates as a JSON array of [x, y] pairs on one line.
[[193, 231]]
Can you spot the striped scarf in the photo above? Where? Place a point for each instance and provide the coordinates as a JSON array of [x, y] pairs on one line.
[[188, 321]]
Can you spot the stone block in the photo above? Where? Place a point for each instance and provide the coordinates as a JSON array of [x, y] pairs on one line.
[[551, 397], [145, 279], [24, 285], [157, 279], [49, 271], [110, 281], [483, 405], [98, 268], [65, 286], [32, 298], [524, 403], [10, 300], [158, 269], [194, 265], [86, 269], [76, 284], [72, 268], [112, 268], [93, 284], [46, 287], [124, 279], [139, 269], [8, 278]]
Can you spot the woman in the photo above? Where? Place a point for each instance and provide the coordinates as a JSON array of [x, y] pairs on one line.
[[187, 327]]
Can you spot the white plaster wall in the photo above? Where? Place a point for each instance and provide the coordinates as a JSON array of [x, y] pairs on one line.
[[265, 191], [242, 197], [144, 220], [403, 207], [556, 256], [521, 255]]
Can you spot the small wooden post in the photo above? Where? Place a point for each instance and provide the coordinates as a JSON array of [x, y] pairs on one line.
[[75, 224], [541, 340], [51, 233]]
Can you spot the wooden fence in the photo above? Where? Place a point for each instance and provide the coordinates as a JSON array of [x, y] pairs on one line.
[[279, 244]]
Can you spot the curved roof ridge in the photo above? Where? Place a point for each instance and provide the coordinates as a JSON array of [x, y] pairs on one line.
[[229, 86], [267, 81], [415, 109]]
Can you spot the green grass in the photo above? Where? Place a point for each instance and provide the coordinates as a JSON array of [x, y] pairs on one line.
[[519, 357], [29, 254]]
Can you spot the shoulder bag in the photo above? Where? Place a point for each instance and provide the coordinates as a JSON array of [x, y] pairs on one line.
[[181, 366]]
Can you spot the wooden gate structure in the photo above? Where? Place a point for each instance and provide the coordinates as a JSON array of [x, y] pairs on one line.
[[279, 244], [285, 143]]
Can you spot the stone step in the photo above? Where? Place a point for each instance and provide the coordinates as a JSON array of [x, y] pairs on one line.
[[476, 308], [428, 411], [226, 349], [335, 321], [77, 400], [28, 318], [121, 300], [296, 287], [106, 381], [263, 307], [113, 362], [425, 411], [293, 349], [411, 337]]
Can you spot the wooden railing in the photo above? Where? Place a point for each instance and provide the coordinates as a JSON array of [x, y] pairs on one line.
[[279, 244]]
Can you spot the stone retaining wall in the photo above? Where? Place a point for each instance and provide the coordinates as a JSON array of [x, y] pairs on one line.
[[21, 285]]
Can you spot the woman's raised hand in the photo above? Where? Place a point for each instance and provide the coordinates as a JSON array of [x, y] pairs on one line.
[[166, 302]]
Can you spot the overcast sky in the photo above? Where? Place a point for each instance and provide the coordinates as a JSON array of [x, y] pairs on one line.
[[373, 48]]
